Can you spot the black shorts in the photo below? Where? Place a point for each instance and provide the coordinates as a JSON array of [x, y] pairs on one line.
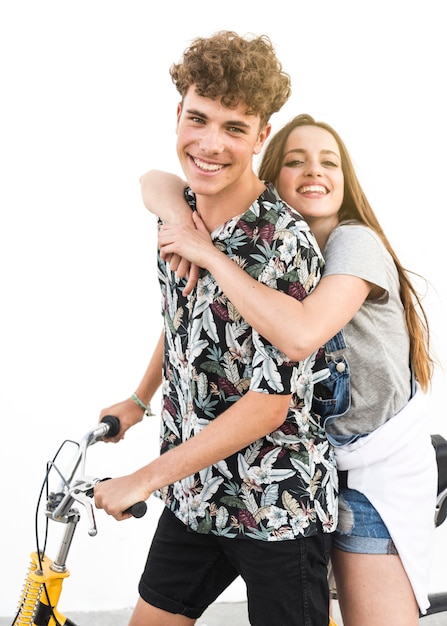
[[286, 580]]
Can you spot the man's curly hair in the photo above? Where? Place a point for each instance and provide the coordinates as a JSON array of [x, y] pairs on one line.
[[234, 69]]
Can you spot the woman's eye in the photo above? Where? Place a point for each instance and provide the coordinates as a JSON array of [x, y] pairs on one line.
[[294, 163]]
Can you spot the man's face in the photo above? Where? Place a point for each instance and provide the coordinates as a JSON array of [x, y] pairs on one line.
[[215, 144]]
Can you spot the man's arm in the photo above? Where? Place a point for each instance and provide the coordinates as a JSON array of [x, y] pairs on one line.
[[127, 411], [250, 418]]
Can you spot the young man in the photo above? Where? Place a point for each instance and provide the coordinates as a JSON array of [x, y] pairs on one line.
[[245, 470]]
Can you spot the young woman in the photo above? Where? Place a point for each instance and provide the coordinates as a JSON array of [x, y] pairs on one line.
[[388, 475]]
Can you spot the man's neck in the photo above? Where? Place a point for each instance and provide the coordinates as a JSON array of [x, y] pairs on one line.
[[217, 209]]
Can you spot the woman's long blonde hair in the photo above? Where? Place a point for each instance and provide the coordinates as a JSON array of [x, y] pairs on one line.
[[355, 206]]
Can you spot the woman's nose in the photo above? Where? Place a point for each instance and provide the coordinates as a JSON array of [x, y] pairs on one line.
[[313, 168]]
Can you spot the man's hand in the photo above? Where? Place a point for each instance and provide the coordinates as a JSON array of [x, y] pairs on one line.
[[128, 414], [117, 495]]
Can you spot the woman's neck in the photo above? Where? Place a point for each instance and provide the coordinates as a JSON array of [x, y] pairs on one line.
[[322, 228]]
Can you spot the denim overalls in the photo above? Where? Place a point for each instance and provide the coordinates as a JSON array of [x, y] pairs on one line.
[[332, 395]]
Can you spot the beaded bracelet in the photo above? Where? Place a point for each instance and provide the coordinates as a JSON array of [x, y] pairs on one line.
[[146, 408]]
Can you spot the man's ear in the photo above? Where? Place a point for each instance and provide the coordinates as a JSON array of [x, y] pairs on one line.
[[179, 112], [263, 135]]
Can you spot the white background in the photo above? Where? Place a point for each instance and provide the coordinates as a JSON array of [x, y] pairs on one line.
[[87, 106]]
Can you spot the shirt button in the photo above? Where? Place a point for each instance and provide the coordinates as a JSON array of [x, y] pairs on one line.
[[340, 367]]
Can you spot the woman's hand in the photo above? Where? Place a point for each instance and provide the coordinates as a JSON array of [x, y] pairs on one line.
[[191, 242], [187, 246], [163, 195], [183, 269]]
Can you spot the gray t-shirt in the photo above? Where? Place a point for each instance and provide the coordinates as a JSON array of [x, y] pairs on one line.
[[377, 337]]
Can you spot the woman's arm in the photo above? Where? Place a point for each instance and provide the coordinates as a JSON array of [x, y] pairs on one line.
[[297, 328], [162, 195]]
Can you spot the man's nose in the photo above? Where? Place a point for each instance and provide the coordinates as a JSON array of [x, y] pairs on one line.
[[211, 141]]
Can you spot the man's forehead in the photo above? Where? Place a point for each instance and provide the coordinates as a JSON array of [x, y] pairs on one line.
[[208, 107]]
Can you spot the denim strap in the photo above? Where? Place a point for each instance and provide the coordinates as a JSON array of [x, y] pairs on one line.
[[335, 347]]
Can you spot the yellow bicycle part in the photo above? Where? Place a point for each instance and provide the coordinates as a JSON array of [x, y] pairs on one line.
[[41, 593]]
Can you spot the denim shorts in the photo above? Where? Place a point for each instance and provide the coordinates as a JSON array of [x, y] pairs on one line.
[[360, 528], [286, 580]]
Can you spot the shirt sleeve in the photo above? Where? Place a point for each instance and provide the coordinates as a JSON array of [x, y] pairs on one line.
[[356, 250]]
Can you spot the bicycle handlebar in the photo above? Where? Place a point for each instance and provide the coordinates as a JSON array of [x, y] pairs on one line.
[[139, 508], [110, 424], [59, 504]]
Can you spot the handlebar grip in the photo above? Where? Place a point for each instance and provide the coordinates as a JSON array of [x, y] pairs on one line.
[[113, 424], [137, 510]]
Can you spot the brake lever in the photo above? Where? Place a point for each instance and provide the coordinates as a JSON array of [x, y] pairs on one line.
[[81, 496]]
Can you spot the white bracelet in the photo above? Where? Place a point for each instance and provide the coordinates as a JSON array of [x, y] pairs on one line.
[[146, 408]]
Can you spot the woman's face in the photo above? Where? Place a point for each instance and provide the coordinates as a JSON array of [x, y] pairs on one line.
[[311, 178]]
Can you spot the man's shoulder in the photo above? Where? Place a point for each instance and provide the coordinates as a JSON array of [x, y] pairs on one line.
[[270, 196], [271, 201]]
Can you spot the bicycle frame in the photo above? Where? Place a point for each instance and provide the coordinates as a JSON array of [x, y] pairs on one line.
[[41, 593], [438, 601]]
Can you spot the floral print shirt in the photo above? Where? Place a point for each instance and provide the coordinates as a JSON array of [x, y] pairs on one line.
[[282, 486]]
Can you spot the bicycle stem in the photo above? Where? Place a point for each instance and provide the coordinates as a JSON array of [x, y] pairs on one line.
[[59, 563]]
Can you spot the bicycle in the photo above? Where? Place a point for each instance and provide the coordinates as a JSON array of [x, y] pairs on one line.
[[38, 604], [438, 601], [39, 600]]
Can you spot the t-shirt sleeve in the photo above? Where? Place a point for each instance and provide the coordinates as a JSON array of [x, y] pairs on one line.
[[356, 250]]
